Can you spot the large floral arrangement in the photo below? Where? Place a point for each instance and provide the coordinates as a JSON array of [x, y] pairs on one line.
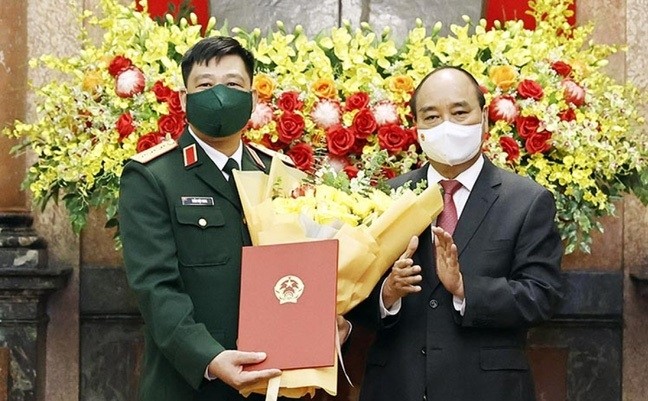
[[555, 115]]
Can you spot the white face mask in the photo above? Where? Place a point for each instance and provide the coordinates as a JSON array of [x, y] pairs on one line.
[[450, 143]]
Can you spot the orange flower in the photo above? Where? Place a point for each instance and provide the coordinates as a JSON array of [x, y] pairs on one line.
[[324, 88], [504, 76], [264, 85], [91, 81], [401, 83]]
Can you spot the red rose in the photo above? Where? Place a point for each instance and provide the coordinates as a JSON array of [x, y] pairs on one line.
[[530, 89], [339, 140], [567, 115], [538, 142], [573, 92], [511, 147], [267, 142], [290, 127], [118, 65], [175, 107], [129, 82], [125, 125], [563, 69], [358, 145], [171, 124], [364, 123], [351, 171], [358, 100], [388, 173], [302, 155], [393, 138], [149, 140], [289, 101], [527, 126], [162, 92], [503, 108]]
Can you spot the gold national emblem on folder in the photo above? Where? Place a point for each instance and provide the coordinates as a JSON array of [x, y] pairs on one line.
[[288, 289]]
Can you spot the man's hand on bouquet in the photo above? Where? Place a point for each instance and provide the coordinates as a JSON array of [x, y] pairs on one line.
[[447, 263], [404, 278], [228, 367]]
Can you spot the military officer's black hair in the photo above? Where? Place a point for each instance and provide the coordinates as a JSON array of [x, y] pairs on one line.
[[214, 48]]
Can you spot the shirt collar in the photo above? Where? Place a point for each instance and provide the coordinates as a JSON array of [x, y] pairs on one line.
[[467, 178], [216, 156]]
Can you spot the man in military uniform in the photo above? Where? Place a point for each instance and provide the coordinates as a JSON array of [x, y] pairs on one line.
[[183, 229]]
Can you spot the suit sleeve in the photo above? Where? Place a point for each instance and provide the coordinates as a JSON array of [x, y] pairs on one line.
[[152, 269], [531, 292]]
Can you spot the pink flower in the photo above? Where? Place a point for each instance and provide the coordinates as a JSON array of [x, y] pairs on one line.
[[326, 113], [129, 82], [503, 108], [261, 115], [385, 113], [574, 93]]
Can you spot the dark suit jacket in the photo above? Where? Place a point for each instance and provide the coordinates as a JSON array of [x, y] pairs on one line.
[[184, 264], [509, 253]]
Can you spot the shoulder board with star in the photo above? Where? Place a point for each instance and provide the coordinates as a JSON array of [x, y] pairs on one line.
[[269, 152], [149, 154]]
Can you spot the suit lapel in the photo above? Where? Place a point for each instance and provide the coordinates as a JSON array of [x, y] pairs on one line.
[[481, 199]]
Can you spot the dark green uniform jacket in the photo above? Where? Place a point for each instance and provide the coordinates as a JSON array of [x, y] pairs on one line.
[[182, 233]]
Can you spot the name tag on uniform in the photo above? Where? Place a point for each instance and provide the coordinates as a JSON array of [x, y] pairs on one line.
[[197, 201]]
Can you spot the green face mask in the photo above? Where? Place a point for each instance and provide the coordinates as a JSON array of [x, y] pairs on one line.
[[219, 111]]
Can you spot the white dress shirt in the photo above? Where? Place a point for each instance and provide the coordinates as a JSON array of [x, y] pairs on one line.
[[217, 157]]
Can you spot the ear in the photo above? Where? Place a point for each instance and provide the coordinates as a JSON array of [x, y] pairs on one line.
[[485, 120], [183, 99], [255, 99]]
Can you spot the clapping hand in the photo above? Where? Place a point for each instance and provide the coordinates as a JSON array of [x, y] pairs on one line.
[[404, 278], [447, 262]]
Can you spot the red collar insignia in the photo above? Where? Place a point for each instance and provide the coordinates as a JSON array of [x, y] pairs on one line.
[[190, 155]]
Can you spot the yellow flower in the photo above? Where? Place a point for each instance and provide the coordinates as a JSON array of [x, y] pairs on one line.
[[503, 76]]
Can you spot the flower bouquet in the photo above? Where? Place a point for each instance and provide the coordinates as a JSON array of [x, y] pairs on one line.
[[373, 229]]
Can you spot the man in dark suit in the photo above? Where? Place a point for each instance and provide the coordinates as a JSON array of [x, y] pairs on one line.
[[183, 229], [453, 312]]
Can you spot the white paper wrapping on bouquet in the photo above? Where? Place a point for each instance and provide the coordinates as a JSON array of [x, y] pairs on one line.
[[365, 253]]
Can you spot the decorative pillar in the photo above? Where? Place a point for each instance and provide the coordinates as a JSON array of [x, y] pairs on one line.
[[25, 283]]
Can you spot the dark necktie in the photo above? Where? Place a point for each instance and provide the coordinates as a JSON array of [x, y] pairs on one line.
[[448, 217], [229, 166]]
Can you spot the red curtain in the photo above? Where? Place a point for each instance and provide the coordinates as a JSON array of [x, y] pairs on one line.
[[504, 10], [159, 8]]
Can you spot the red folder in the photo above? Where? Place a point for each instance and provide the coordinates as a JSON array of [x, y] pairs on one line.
[[287, 307]]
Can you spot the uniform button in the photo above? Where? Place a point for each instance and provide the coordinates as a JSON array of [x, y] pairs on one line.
[[434, 303], [423, 351], [202, 222], [424, 397]]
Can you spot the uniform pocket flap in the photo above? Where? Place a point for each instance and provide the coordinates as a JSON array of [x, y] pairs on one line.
[[503, 359], [200, 216]]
